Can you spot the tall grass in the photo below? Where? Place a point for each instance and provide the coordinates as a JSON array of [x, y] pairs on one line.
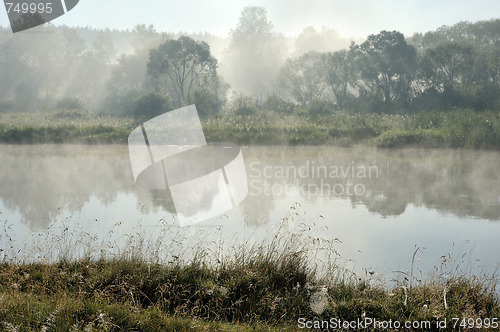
[[267, 286], [460, 128], [63, 127]]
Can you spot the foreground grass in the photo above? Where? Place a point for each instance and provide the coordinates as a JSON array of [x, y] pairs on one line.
[[459, 128], [259, 291]]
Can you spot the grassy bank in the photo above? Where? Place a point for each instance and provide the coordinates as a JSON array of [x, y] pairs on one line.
[[456, 129], [63, 127], [259, 291]]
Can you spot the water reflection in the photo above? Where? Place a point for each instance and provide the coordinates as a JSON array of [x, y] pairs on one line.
[[39, 182], [463, 183]]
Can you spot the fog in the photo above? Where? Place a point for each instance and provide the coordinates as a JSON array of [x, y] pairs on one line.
[[83, 198], [43, 183], [44, 66], [107, 71]]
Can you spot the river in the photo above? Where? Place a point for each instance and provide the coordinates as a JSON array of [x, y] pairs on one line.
[[374, 213]]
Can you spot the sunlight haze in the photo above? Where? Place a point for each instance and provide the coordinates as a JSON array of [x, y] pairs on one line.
[[357, 18]]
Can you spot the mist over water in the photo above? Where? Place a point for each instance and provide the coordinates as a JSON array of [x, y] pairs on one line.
[[374, 206]]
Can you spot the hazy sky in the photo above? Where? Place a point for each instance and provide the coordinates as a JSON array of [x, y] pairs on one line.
[[352, 18]]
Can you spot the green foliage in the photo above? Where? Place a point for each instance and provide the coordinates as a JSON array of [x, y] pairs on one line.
[[456, 67], [303, 78], [264, 289], [473, 129], [244, 105], [249, 123], [207, 103], [341, 75], [448, 66], [183, 63], [71, 103], [150, 105], [256, 286], [318, 108], [279, 105], [63, 126], [387, 65], [429, 138], [453, 66]]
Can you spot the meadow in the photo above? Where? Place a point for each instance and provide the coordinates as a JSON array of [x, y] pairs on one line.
[[459, 128]]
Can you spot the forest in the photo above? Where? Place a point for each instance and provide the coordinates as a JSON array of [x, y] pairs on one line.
[[257, 72]]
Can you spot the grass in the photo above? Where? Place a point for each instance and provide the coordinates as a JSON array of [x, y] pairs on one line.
[[63, 127], [460, 128], [264, 288], [268, 288], [257, 295]]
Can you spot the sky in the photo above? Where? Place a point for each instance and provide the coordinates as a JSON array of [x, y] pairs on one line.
[[351, 18]]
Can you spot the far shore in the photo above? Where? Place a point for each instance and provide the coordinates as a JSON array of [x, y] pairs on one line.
[[462, 128]]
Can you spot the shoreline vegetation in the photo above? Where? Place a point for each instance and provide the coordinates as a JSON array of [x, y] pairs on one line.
[[290, 282], [458, 128], [255, 290]]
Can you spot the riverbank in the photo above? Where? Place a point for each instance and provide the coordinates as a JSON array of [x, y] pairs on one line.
[[459, 128], [259, 290]]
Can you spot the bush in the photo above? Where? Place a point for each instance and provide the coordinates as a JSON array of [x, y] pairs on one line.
[[320, 107], [279, 105], [207, 103], [6, 106], [421, 137], [71, 103], [243, 105], [150, 105]]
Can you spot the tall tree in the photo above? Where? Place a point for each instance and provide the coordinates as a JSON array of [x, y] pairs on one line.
[[387, 65], [303, 78], [182, 63], [326, 40], [341, 74], [255, 53], [448, 66]]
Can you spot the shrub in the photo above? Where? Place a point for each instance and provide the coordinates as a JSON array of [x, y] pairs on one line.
[[71, 103], [279, 105], [208, 104], [319, 107], [399, 138], [244, 105], [150, 105]]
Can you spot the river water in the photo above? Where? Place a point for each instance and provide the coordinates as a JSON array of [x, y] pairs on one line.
[[385, 214]]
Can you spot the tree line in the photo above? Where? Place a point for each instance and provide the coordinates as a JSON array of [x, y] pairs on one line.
[[144, 72], [389, 73]]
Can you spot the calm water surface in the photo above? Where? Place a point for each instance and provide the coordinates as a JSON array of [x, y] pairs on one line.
[[378, 213]]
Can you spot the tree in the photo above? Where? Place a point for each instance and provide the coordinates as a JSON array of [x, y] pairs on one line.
[[104, 47], [129, 80], [448, 66], [478, 35], [182, 64], [255, 53], [387, 64], [35, 65], [341, 74], [326, 40], [145, 38], [303, 78]]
